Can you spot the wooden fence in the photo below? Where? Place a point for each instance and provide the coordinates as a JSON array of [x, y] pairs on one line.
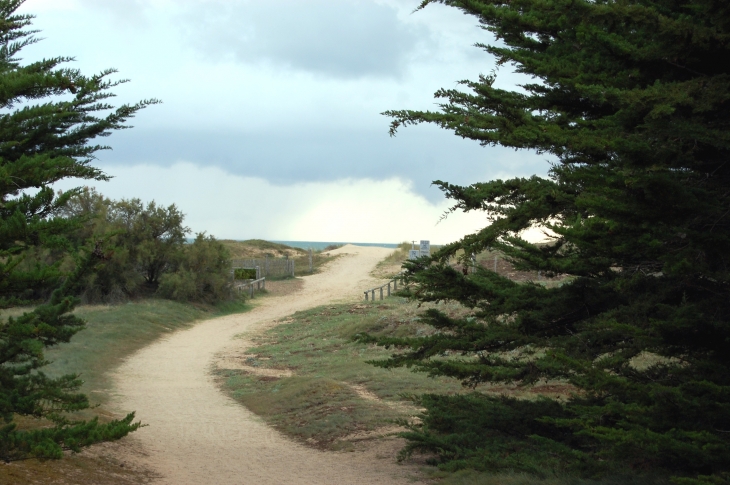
[[267, 267], [394, 282], [249, 285]]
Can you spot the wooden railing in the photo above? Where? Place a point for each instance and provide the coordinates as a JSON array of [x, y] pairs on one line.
[[267, 266], [248, 286], [393, 282]]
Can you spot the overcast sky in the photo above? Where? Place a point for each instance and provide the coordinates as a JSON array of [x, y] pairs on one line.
[[270, 125]]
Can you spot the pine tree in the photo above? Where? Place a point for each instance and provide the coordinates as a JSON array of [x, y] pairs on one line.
[[631, 99], [49, 116]]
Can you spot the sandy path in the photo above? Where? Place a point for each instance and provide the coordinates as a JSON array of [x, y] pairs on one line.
[[198, 435]]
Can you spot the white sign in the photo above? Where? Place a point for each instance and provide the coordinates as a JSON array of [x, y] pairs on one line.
[[414, 254], [425, 248]]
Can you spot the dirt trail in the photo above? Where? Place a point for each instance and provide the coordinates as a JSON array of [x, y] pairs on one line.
[[198, 435]]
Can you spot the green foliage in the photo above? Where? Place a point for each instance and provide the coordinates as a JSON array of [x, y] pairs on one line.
[[202, 274], [244, 274], [154, 236], [631, 98], [42, 142], [274, 248], [146, 252]]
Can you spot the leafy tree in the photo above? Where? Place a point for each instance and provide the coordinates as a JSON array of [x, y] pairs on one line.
[[143, 243], [202, 273], [631, 98], [116, 278], [49, 116], [147, 253], [154, 236]]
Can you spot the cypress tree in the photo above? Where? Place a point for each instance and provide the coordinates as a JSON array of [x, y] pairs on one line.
[[50, 113], [631, 99]]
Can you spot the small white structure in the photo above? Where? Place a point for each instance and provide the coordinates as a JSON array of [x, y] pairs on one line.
[[425, 248]]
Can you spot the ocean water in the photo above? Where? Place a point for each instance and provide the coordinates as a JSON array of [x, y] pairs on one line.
[[319, 245]]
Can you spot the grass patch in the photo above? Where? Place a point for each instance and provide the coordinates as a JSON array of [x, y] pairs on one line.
[[308, 379], [471, 477], [84, 468], [319, 260], [258, 248], [113, 332], [391, 264]]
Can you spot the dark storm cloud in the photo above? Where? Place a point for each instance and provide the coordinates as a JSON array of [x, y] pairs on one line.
[[346, 38], [420, 155]]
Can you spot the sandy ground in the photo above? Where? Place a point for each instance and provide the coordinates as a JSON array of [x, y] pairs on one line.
[[198, 435]]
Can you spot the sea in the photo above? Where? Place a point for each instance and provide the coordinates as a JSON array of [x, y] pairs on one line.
[[319, 245]]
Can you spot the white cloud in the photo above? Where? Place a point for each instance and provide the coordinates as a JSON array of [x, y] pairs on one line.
[[234, 207], [282, 124]]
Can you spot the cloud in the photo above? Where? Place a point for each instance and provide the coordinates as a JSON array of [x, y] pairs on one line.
[[343, 38], [286, 157], [236, 207], [288, 91]]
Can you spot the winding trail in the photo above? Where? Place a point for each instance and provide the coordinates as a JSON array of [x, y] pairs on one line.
[[197, 435]]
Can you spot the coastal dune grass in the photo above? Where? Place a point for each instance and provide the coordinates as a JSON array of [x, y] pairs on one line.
[[326, 394]]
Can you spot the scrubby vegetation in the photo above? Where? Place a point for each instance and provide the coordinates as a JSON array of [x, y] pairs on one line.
[[258, 248], [146, 253]]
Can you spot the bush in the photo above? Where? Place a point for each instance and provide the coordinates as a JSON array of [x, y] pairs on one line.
[[202, 274], [244, 274]]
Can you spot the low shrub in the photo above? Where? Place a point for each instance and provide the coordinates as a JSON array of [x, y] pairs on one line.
[[202, 274]]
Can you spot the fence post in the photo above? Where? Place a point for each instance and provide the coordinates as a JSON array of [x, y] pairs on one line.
[[388, 288], [251, 285], [381, 293], [395, 283], [264, 283], [373, 295], [311, 267], [366, 296], [292, 269]]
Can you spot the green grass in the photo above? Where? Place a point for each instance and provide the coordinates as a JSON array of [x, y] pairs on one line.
[[322, 401], [270, 246], [113, 332], [263, 244], [391, 264], [319, 260], [471, 477]]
